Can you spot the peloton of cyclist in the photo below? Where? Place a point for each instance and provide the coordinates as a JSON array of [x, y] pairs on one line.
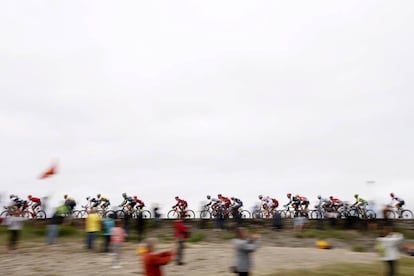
[[269, 203], [303, 202], [36, 202], [94, 202], [292, 201], [139, 202], [129, 202], [399, 201]]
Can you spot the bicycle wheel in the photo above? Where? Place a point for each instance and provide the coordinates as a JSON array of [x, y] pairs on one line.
[[146, 214], [205, 214], [315, 214], [119, 214], [27, 215], [244, 214], [109, 214], [4, 214], [173, 214], [371, 214], [189, 214], [41, 214], [406, 214]]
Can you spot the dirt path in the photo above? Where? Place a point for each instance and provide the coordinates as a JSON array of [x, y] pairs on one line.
[[68, 258]]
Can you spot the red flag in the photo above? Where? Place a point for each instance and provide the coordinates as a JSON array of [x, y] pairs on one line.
[[49, 172]]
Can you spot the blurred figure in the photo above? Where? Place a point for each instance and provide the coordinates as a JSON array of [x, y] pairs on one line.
[[118, 236], [153, 261], [55, 221], [108, 224], [182, 233], [157, 215], [15, 225], [388, 246], [70, 203], [92, 227], [399, 203], [244, 246]]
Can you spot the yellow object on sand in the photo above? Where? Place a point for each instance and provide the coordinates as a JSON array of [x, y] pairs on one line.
[[322, 244], [141, 250]]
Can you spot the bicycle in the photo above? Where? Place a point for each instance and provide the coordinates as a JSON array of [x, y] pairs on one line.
[[36, 213], [176, 213], [394, 213], [362, 213], [146, 214], [293, 213], [259, 212]]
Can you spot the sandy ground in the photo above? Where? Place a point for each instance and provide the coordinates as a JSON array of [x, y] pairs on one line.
[[69, 258]]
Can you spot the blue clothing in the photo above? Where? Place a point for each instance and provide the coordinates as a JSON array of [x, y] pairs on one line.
[[108, 223]]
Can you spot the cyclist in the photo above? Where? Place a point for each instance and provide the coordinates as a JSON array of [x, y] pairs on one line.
[[139, 202], [360, 203], [400, 202], [335, 202], [36, 202], [292, 201], [323, 203], [211, 202], [224, 201], [104, 201], [129, 202], [235, 205], [269, 203], [70, 203], [94, 202], [19, 203], [181, 204]]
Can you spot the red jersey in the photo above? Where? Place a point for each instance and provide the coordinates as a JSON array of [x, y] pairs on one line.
[[35, 199], [303, 198], [336, 200]]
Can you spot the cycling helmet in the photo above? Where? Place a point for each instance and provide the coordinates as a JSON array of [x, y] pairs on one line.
[[289, 195], [232, 198], [98, 195], [219, 195], [176, 197], [356, 195], [88, 197], [330, 197], [124, 194], [208, 196], [260, 197], [135, 197], [319, 196], [392, 194], [29, 196]]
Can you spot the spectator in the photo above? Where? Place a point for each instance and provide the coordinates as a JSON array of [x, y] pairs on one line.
[[153, 261], [55, 221], [181, 234], [244, 246], [388, 247], [157, 216], [92, 227], [140, 226], [108, 224], [15, 225], [118, 236]]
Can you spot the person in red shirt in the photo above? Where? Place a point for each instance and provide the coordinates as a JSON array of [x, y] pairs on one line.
[[153, 261], [181, 233], [181, 204], [140, 203], [224, 200], [36, 202]]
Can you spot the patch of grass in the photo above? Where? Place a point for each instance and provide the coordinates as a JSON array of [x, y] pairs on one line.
[[227, 235], [405, 267], [196, 237], [359, 248]]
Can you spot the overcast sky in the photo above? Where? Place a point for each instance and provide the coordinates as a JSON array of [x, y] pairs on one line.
[[163, 98]]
